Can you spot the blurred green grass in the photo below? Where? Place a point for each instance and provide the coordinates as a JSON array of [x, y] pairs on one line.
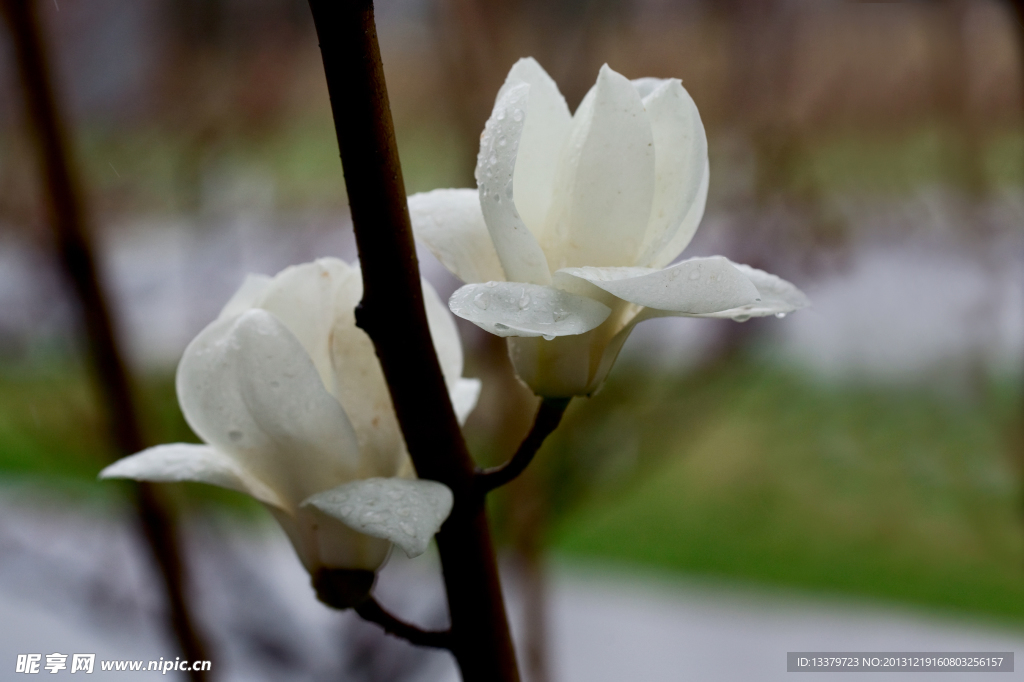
[[764, 474], [750, 470]]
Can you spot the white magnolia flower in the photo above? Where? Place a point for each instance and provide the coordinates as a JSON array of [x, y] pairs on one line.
[[565, 243], [290, 399]]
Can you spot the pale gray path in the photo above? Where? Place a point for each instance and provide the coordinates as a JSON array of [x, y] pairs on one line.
[[75, 581]]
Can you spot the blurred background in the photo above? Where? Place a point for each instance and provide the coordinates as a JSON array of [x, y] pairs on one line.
[[848, 478]]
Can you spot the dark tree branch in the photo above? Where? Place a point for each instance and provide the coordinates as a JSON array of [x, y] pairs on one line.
[[549, 415], [372, 611], [77, 260], [392, 314]]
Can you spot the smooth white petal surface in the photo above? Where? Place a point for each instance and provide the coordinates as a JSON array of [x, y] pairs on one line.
[[516, 309], [547, 127], [605, 180], [464, 396], [303, 297], [695, 286], [451, 224], [681, 167], [405, 512], [778, 297], [248, 388], [521, 256], [177, 462], [684, 233]]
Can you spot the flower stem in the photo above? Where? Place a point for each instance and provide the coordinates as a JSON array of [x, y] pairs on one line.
[[68, 218], [392, 314], [549, 415], [372, 611]]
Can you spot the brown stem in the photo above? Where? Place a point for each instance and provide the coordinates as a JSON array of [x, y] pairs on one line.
[[76, 259], [372, 611], [549, 415], [392, 314]]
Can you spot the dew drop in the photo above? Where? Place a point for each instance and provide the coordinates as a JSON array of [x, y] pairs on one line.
[[518, 115], [493, 160], [501, 115], [695, 275], [559, 315], [741, 318], [408, 529], [780, 315], [492, 284], [501, 141], [497, 198], [480, 301], [548, 337], [524, 301], [501, 327]]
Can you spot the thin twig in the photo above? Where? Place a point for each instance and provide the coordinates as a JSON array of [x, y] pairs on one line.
[[78, 262], [549, 415], [372, 611], [393, 316]]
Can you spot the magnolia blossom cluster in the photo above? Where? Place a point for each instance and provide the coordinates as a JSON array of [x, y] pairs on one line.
[[565, 242], [290, 400]]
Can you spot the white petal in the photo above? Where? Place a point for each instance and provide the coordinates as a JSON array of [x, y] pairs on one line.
[[521, 256], [248, 388], [684, 233], [177, 462], [517, 309], [445, 335], [464, 396], [681, 158], [408, 513], [778, 297], [645, 86], [695, 286], [547, 127], [605, 180], [448, 347], [322, 541], [451, 224], [247, 296]]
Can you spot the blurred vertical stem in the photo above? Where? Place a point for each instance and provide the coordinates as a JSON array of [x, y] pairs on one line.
[[392, 314], [76, 258]]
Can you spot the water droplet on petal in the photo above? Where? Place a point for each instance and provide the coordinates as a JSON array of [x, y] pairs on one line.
[[501, 141], [480, 301], [524, 301], [548, 337], [501, 327], [497, 198], [493, 160], [559, 315], [518, 115], [492, 284], [741, 318], [780, 315], [408, 529], [695, 275], [501, 115]]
